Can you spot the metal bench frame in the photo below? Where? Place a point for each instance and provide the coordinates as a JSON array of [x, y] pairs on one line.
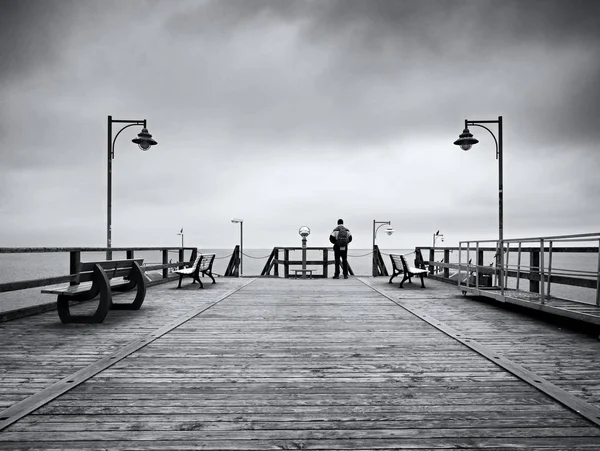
[[407, 271], [202, 265], [97, 278]]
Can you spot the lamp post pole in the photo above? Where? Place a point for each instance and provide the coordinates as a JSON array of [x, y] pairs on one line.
[[390, 231], [435, 235], [145, 141], [465, 141]]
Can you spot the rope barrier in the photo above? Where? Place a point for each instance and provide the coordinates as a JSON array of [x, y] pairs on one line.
[[220, 258], [364, 255], [258, 258]]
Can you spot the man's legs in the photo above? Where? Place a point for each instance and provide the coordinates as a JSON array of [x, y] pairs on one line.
[[344, 255], [336, 256]]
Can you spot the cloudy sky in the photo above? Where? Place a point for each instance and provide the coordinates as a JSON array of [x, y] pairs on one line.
[[292, 113]]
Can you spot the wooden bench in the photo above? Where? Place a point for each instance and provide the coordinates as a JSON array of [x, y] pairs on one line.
[[202, 265], [399, 266], [304, 272], [101, 278]]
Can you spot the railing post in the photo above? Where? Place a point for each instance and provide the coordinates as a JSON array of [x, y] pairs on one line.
[[447, 261], [74, 262], [276, 267], [431, 259], [325, 262], [598, 278], [549, 270], [181, 257], [534, 270], [519, 265], [286, 263], [165, 260], [542, 252], [479, 262]]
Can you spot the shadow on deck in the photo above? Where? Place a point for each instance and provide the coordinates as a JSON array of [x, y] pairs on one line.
[[300, 364]]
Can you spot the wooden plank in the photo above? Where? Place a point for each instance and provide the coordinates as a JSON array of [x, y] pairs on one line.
[[290, 364], [28, 405]]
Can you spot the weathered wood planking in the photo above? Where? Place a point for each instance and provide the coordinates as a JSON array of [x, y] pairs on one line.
[[308, 364], [39, 350], [562, 355]]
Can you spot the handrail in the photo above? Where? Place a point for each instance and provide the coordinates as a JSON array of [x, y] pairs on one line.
[[274, 261], [543, 261], [24, 250], [75, 260]]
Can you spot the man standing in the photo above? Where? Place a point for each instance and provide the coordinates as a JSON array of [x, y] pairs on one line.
[[340, 237]]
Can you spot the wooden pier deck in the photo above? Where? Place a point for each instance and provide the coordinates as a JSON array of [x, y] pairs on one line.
[[288, 364]]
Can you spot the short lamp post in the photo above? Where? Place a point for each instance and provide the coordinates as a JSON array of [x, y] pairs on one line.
[[181, 233], [241, 223], [389, 230], [304, 231], [437, 235], [466, 141], [144, 141]]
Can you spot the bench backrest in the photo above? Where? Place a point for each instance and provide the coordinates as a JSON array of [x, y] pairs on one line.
[[112, 268], [196, 261], [404, 264], [206, 261], [396, 262]]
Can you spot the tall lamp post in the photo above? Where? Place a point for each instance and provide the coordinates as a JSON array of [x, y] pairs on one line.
[[144, 141], [181, 233], [466, 141], [389, 231], [241, 223], [437, 235]]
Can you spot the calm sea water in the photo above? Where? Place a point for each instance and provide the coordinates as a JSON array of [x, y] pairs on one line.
[[14, 267]]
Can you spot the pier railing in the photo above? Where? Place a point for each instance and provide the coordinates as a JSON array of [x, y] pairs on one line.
[[280, 256], [75, 258], [551, 265]]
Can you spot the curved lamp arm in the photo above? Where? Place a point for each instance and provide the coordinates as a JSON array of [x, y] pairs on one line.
[[385, 223], [112, 149], [491, 133]]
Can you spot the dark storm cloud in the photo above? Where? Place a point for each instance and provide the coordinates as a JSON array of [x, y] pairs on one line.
[[264, 100], [31, 32], [394, 66]]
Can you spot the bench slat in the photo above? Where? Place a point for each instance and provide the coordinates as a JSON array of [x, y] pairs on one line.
[[82, 287], [109, 264]]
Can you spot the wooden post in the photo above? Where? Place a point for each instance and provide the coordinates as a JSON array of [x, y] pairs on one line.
[[534, 270], [276, 267], [447, 260], [325, 262], [181, 256], [598, 278], [431, 259], [286, 263], [129, 254], [165, 260], [74, 262], [480, 262]]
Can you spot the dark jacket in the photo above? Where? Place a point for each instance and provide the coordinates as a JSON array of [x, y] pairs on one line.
[[334, 234]]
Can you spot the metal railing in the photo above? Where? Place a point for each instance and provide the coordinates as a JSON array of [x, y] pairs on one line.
[[546, 262]]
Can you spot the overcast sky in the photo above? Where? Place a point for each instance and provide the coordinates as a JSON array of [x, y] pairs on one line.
[[292, 113]]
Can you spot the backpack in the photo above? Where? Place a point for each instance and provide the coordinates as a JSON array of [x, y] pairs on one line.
[[342, 238]]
